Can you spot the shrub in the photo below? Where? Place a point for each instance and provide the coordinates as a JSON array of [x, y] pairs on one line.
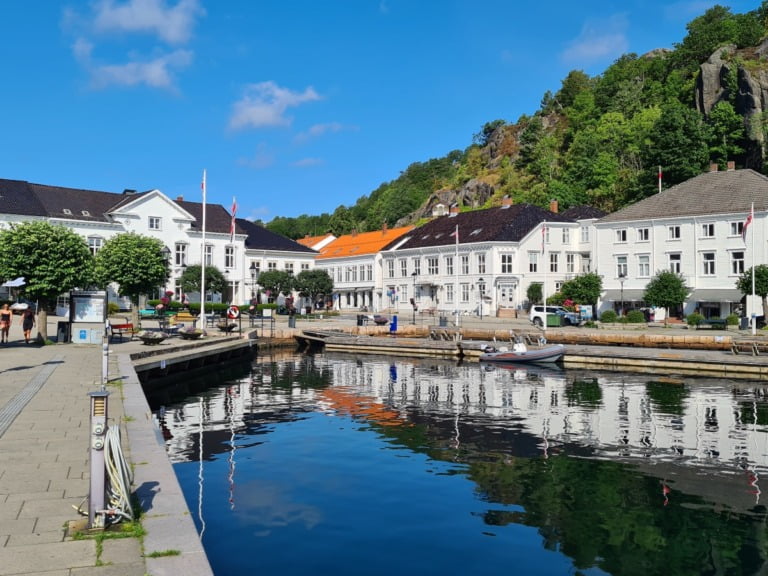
[[609, 316], [635, 317], [112, 308], [732, 320], [694, 319]]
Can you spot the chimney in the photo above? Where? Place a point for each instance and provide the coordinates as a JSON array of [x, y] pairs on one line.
[[353, 233], [384, 228], [713, 167], [179, 198], [506, 201], [128, 192], [454, 210], [731, 165], [553, 206]]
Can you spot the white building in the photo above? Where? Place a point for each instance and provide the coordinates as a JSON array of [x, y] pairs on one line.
[[693, 229], [482, 262]]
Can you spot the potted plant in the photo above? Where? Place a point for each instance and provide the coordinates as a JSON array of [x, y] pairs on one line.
[[191, 333], [152, 338]]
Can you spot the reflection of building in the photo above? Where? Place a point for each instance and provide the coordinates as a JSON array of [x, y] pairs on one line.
[[707, 425]]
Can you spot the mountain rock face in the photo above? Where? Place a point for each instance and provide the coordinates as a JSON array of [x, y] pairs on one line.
[[474, 194], [751, 98]]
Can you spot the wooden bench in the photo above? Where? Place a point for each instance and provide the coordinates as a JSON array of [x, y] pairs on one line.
[[120, 330]]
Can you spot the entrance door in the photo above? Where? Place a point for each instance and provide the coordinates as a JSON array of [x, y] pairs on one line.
[[507, 293]]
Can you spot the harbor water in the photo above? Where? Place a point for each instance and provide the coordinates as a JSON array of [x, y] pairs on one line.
[[337, 464]]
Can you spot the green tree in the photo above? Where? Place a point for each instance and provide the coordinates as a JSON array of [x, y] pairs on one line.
[[666, 289], [215, 282], [481, 139], [313, 283], [744, 283], [726, 132], [534, 293], [135, 263], [276, 282], [52, 259], [583, 289]]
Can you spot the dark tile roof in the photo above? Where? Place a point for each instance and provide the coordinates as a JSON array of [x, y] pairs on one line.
[[259, 238], [583, 213], [503, 224], [28, 199], [726, 192]]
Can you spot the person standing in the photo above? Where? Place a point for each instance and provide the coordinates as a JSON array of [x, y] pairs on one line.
[[27, 322], [6, 317]]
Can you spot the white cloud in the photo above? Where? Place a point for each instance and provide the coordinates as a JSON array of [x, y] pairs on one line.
[[599, 40], [265, 104], [157, 73], [320, 129], [261, 159], [173, 24]]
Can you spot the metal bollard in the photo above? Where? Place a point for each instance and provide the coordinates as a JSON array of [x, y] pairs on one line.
[[98, 468]]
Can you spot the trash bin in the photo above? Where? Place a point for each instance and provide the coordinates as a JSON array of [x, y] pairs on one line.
[[62, 332], [553, 321], [291, 321], [360, 320], [443, 321], [744, 323]]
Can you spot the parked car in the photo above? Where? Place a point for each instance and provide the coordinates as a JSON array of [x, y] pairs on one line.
[[537, 315]]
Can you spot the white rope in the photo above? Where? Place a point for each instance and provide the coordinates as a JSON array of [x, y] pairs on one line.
[[119, 479]]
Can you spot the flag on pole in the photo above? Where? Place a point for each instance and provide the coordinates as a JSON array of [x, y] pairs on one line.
[[456, 233], [232, 223], [543, 236], [747, 223]]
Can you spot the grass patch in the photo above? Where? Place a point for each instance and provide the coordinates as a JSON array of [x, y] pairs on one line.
[[163, 553]]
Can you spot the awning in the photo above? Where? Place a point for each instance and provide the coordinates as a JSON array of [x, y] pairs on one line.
[[715, 295], [633, 295], [18, 282]]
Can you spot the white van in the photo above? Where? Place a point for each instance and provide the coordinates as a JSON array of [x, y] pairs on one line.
[[536, 315]]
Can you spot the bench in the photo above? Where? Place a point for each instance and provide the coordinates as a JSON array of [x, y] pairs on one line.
[[120, 330]]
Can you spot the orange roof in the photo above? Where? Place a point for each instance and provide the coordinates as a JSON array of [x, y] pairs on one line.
[[310, 241], [361, 243]]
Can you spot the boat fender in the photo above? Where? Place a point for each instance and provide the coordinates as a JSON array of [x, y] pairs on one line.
[[542, 341]]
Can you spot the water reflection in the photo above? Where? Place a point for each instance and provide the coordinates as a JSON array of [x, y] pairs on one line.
[[615, 473]]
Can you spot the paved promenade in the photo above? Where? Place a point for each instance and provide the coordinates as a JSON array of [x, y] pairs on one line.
[[45, 467]]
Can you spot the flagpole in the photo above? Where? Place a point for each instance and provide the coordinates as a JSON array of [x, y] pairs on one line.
[[544, 264], [456, 279], [202, 264], [754, 313]]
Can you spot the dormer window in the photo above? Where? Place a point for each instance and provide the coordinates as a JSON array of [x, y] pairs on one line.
[[85, 213], [67, 211]]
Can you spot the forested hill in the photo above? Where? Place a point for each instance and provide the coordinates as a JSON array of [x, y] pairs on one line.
[[597, 140]]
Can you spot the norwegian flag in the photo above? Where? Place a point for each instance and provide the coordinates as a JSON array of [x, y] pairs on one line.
[[750, 217], [456, 233], [232, 223]]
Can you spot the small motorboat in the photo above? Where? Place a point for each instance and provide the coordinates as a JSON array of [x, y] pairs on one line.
[[520, 353]]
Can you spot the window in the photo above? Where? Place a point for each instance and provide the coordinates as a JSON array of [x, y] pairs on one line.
[[289, 268], [621, 266], [403, 267], [417, 265], [465, 264], [155, 223], [533, 261], [674, 232], [449, 293], [570, 263], [566, 235], [643, 234], [481, 263], [390, 268], [180, 254], [708, 263], [95, 243], [272, 265], [432, 266], [708, 230], [737, 262], [465, 292], [208, 255], [737, 228], [369, 272], [644, 265], [304, 266], [621, 236], [229, 257], [507, 264], [675, 260], [553, 258], [585, 233], [449, 265], [586, 262]]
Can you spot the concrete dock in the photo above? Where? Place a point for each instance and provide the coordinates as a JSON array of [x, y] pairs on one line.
[[44, 455]]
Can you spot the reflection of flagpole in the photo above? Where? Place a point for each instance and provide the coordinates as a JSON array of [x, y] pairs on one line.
[[200, 472], [456, 278]]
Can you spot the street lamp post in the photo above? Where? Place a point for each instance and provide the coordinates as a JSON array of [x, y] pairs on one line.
[[481, 289], [622, 277], [413, 300], [252, 270]]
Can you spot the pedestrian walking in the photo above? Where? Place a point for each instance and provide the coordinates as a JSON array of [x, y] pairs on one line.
[[6, 317], [28, 322]]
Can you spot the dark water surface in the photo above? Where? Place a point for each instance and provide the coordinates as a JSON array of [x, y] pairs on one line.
[[332, 464]]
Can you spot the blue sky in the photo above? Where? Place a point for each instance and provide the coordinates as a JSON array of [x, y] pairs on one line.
[[291, 107]]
